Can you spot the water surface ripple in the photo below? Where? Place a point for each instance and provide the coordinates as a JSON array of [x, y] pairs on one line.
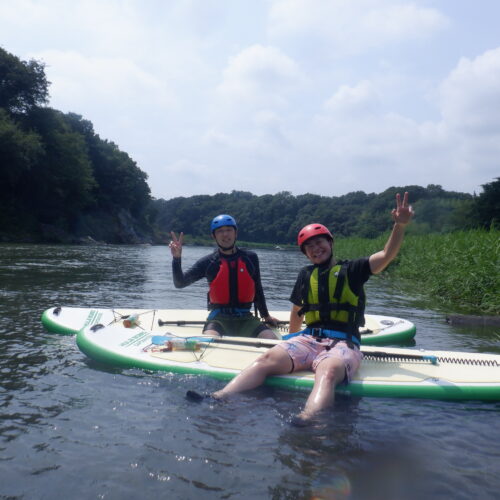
[[71, 428]]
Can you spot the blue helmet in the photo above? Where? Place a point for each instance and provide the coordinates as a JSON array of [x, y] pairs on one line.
[[222, 220]]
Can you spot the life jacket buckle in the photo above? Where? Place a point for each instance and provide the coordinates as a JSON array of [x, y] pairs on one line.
[[317, 333]]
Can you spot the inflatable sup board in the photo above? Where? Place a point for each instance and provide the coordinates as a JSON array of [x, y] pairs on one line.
[[384, 372], [379, 330]]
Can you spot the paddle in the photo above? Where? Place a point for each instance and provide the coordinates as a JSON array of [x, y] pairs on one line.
[[182, 322], [161, 340], [268, 343]]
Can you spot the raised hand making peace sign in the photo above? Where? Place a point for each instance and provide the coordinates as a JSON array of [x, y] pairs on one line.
[[403, 212], [176, 245]]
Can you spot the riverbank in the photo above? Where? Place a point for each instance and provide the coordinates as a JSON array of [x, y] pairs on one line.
[[459, 271]]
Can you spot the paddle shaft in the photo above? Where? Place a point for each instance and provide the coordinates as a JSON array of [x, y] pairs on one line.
[[182, 322], [271, 343], [375, 354]]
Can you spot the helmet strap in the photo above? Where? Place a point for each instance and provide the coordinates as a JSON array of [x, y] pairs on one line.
[[227, 249]]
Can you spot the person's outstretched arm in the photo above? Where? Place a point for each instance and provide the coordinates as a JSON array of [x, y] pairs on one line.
[[401, 215]]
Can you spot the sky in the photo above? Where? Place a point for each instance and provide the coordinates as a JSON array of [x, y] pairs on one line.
[[306, 96]]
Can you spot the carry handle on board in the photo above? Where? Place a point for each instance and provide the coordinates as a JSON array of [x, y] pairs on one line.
[[268, 343]]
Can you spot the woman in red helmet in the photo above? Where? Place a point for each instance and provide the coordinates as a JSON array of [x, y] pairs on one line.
[[329, 296]]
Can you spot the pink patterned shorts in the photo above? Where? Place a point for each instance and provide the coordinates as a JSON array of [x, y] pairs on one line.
[[307, 353]]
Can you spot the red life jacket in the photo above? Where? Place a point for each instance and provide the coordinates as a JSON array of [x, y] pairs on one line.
[[220, 287]]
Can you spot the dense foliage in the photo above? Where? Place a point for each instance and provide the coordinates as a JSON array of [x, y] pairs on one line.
[[455, 272], [277, 218], [55, 171]]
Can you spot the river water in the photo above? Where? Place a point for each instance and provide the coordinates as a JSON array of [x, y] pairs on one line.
[[70, 428]]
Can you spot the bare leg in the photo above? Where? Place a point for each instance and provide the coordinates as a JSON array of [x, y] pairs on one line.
[[211, 333], [267, 334], [276, 361], [329, 373]]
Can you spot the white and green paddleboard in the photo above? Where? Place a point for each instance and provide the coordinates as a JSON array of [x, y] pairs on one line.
[[379, 330], [384, 372]]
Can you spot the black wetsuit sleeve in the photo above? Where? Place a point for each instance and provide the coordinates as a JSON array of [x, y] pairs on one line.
[[296, 296], [359, 273], [195, 273], [260, 300]]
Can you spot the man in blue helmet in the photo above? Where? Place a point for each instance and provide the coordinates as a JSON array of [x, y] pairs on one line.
[[233, 276]]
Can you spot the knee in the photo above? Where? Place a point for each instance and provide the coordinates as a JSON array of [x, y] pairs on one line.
[[332, 372], [265, 360], [267, 334], [270, 362]]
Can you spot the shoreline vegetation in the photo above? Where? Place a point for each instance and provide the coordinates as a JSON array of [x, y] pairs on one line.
[[458, 272]]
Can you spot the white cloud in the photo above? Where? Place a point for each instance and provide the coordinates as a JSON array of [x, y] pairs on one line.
[[360, 137], [349, 101], [76, 78], [184, 171], [471, 95], [120, 98], [260, 74], [470, 99], [90, 24], [257, 87], [216, 138], [351, 27]]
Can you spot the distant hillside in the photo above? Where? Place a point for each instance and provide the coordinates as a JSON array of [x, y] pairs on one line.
[[277, 218]]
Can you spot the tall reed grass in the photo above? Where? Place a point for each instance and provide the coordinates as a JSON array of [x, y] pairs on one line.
[[459, 270]]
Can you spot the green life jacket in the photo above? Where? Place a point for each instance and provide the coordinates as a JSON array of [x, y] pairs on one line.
[[329, 302]]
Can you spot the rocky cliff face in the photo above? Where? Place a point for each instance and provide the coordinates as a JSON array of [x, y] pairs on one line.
[[101, 227]]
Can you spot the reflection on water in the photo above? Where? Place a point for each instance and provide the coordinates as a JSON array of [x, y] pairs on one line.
[[71, 428]]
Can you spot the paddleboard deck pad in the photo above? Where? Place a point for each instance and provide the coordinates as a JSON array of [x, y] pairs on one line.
[[378, 330], [384, 372]]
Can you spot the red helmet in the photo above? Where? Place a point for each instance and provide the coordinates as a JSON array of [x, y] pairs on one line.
[[310, 231]]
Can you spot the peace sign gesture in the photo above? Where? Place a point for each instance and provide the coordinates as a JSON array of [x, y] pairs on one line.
[[176, 245], [403, 212]]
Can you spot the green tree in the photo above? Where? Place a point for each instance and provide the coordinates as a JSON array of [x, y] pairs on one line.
[[61, 185], [487, 205], [119, 181], [19, 152], [23, 84], [277, 218]]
